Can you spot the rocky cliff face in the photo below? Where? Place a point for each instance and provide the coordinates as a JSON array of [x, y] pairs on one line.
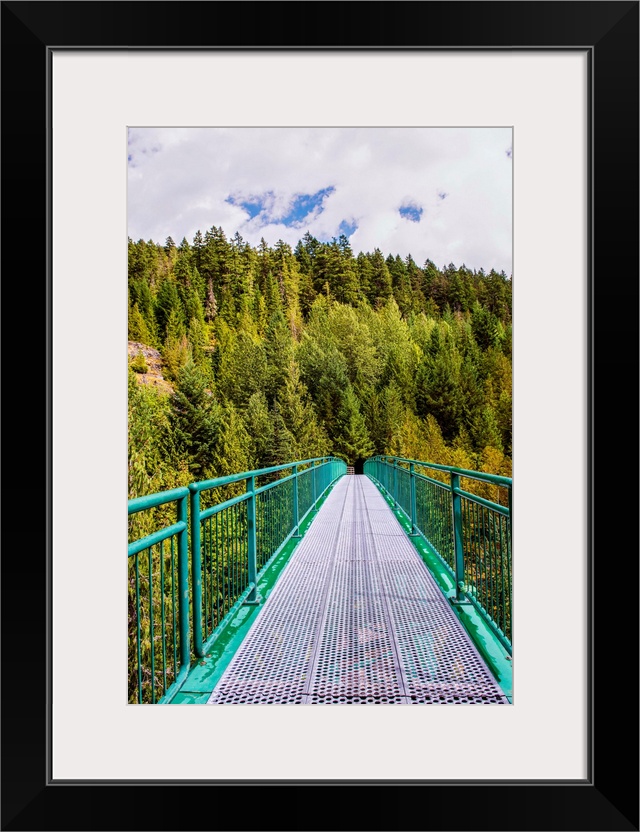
[[153, 377]]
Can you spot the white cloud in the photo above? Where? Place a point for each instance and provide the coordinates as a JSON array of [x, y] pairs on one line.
[[180, 179]]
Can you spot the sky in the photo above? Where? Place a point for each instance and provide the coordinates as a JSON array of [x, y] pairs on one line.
[[442, 194]]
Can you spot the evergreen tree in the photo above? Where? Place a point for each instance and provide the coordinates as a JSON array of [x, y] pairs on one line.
[[168, 304], [364, 271], [316, 351], [138, 329], [196, 421], [400, 283], [438, 391], [485, 430], [283, 444], [299, 417], [279, 351], [197, 339], [148, 465], [351, 437], [485, 327], [233, 452], [381, 288], [260, 430]]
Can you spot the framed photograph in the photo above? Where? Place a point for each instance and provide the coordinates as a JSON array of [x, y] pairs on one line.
[[563, 77]]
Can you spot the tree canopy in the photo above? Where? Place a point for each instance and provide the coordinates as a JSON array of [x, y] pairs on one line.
[[278, 354]]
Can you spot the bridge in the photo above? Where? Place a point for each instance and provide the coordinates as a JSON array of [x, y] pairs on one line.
[[306, 583]]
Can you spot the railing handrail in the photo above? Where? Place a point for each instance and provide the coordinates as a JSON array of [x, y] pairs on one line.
[[159, 498], [205, 485], [400, 483], [319, 473], [481, 476]]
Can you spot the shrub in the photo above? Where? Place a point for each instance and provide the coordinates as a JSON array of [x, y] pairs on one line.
[[138, 364]]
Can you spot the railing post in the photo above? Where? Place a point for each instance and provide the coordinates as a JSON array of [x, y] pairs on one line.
[[457, 539], [252, 547], [395, 483], [296, 513], [196, 570], [414, 512], [183, 584], [315, 486]]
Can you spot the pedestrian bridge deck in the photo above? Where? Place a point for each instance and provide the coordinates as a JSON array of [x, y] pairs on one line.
[[356, 617]]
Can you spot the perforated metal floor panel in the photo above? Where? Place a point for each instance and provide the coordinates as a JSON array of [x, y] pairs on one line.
[[356, 618]]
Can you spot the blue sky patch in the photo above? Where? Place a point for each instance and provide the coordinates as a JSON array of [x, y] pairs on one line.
[[411, 212], [347, 228], [251, 206], [304, 204], [301, 207]]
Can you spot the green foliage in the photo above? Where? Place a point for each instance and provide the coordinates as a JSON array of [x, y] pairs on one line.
[[278, 354], [259, 429], [196, 422], [232, 444], [139, 363], [351, 437], [139, 329]]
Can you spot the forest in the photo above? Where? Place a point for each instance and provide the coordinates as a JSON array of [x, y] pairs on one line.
[[275, 354]]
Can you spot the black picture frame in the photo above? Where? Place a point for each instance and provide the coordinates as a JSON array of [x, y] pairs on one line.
[[608, 798]]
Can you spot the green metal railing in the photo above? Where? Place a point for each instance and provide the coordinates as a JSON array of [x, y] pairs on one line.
[[233, 528], [469, 532], [158, 598]]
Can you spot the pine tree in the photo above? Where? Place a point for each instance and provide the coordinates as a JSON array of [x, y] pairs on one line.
[[393, 410], [197, 337], [233, 454], [485, 430], [195, 420], [198, 246], [139, 364], [485, 327], [138, 329], [279, 351], [299, 416], [381, 288], [376, 354], [351, 438], [400, 283], [168, 304], [282, 445], [260, 429], [148, 466]]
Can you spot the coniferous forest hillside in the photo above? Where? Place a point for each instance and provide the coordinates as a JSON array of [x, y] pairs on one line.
[[274, 354]]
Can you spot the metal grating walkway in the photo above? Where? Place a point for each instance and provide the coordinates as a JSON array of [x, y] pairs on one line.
[[356, 618]]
